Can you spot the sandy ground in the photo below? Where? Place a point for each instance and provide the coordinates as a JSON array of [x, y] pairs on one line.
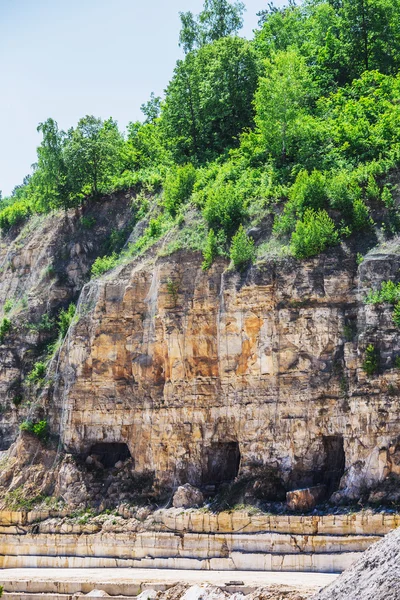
[[123, 580]]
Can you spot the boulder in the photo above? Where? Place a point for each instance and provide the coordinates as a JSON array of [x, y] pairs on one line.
[[306, 499], [187, 496]]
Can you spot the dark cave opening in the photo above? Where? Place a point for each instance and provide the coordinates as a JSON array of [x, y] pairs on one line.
[[221, 463], [108, 454], [334, 462]]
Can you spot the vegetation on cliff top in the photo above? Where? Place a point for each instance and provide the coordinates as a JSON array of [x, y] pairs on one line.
[[300, 126]]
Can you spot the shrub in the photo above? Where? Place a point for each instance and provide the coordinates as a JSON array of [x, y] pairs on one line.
[[8, 305], [361, 217], [103, 264], [5, 326], [371, 360], [242, 249], [65, 319], [210, 250], [40, 429], [387, 198], [17, 400], [224, 208], [178, 187], [13, 214], [87, 222], [389, 292], [397, 362], [313, 234], [396, 314], [38, 372]]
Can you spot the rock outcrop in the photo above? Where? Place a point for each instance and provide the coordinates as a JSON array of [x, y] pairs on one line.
[[172, 375]]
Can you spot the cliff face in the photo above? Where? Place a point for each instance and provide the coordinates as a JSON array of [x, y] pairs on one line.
[[179, 375], [43, 267], [209, 375]]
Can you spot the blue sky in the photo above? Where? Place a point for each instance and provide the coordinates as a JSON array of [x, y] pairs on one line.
[[68, 58]]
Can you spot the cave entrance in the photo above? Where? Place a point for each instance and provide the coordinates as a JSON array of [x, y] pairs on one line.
[[221, 463], [110, 453], [334, 462]]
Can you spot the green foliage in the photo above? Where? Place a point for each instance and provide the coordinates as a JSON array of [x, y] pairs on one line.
[[87, 222], [5, 326], [40, 429], [225, 209], [396, 314], [218, 19], [389, 292], [282, 98], [210, 251], [102, 264], [37, 373], [209, 100], [178, 187], [173, 289], [65, 318], [242, 249], [371, 360], [8, 305], [313, 234], [17, 400], [397, 362]]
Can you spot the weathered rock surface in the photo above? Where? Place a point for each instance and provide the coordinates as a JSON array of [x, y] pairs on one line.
[[376, 576], [187, 496], [230, 373], [306, 499], [173, 375], [43, 267]]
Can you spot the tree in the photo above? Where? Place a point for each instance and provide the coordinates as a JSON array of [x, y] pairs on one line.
[[209, 101], [281, 101], [152, 108], [218, 19], [52, 177], [93, 154]]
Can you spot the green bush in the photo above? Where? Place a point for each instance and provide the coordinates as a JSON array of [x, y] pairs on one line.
[[87, 222], [5, 326], [178, 187], [389, 292], [313, 234], [14, 214], [65, 319], [361, 218], [40, 429], [396, 315], [8, 305], [102, 264], [224, 208], [242, 249], [210, 251], [371, 360], [38, 372]]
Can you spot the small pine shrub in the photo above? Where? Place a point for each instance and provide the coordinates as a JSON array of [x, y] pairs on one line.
[[371, 360], [387, 198], [38, 372], [102, 264], [242, 249], [5, 326], [397, 362], [65, 319], [313, 234], [17, 400], [210, 251], [361, 218]]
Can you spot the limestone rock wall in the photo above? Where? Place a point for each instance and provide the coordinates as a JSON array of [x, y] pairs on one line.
[[43, 267], [205, 375]]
